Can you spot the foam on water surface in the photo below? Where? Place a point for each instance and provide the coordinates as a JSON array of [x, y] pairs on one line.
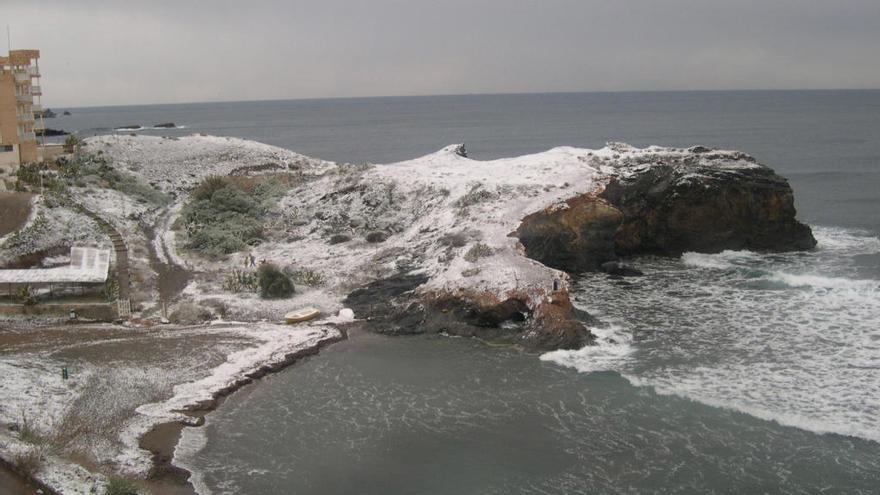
[[789, 337]]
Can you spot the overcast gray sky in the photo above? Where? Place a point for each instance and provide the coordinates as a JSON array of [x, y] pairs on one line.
[[120, 52]]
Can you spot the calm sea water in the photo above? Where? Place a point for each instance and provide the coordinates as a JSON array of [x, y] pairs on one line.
[[730, 373]]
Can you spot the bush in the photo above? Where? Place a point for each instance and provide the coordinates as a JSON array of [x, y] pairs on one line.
[[304, 276], [477, 251], [376, 236], [29, 461], [208, 187], [241, 281], [226, 214], [117, 485], [28, 433], [273, 282]]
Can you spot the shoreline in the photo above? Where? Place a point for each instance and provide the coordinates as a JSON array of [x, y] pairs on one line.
[[13, 478], [165, 478]]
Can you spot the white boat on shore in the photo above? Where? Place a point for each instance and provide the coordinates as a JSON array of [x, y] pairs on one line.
[[301, 315]]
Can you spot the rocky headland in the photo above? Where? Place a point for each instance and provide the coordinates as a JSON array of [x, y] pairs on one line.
[[441, 243]]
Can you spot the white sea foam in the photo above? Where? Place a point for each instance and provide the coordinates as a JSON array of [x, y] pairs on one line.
[[790, 338], [851, 241], [612, 347], [192, 442], [722, 261]]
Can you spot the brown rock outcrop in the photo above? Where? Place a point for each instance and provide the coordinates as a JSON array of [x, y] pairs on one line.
[[704, 201]]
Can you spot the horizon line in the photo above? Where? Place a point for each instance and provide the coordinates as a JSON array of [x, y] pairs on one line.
[[435, 95]]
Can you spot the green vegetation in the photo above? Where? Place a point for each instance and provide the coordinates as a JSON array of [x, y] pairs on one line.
[[241, 281], [305, 276], [225, 214], [274, 284], [70, 143], [29, 461], [117, 485], [27, 234], [477, 251]]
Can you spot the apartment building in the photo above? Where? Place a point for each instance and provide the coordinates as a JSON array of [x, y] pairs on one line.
[[19, 102]]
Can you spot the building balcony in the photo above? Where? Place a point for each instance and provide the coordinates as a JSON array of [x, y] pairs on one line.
[[35, 90], [27, 136], [22, 77], [24, 117], [35, 108], [39, 126], [26, 98], [34, 71]]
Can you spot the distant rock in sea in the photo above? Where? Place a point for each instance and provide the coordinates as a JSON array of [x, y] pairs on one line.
[[165, 125], [51, 132]]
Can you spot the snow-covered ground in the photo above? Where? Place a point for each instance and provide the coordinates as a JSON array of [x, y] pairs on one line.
[[111, 401]]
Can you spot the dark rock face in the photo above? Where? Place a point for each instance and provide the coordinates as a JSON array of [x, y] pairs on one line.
[[166, 125], [576, 238], [666, 214], [706, 202], [391, 307]]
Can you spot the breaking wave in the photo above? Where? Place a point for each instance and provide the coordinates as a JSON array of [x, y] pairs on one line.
[[788, 337]]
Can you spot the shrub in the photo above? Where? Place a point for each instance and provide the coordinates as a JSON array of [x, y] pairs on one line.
[[477, 251], [29, 461], [226, 214], [339, 238], [376, 236], [241, 281], [273, 282], [208, 187], [458, 239], [117, 485], [28, 433], [304, 276]]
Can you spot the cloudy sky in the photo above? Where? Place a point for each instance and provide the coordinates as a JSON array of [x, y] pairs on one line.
[[121, 52]]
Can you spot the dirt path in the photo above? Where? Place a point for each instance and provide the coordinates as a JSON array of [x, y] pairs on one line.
[[119, 246], [14, 211]]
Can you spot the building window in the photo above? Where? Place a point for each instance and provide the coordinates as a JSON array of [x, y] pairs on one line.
[[6, 147]]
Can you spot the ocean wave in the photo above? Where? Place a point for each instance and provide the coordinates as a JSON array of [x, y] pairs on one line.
[[724, 260], [821, 425], [846, 240], [785, 337], [148, 128], [824, 282], [612, 346], [192, 441]]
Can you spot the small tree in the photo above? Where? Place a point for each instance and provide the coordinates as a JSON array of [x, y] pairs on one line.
[[70, 143], [274, 283]]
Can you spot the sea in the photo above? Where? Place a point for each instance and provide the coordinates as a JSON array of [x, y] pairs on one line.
[[735, 372]]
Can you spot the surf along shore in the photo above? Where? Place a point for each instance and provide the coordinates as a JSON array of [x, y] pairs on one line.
[[442, 243]]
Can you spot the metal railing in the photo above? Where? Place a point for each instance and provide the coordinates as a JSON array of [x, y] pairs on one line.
[[35, 90], [24, 117], [24, 97]]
